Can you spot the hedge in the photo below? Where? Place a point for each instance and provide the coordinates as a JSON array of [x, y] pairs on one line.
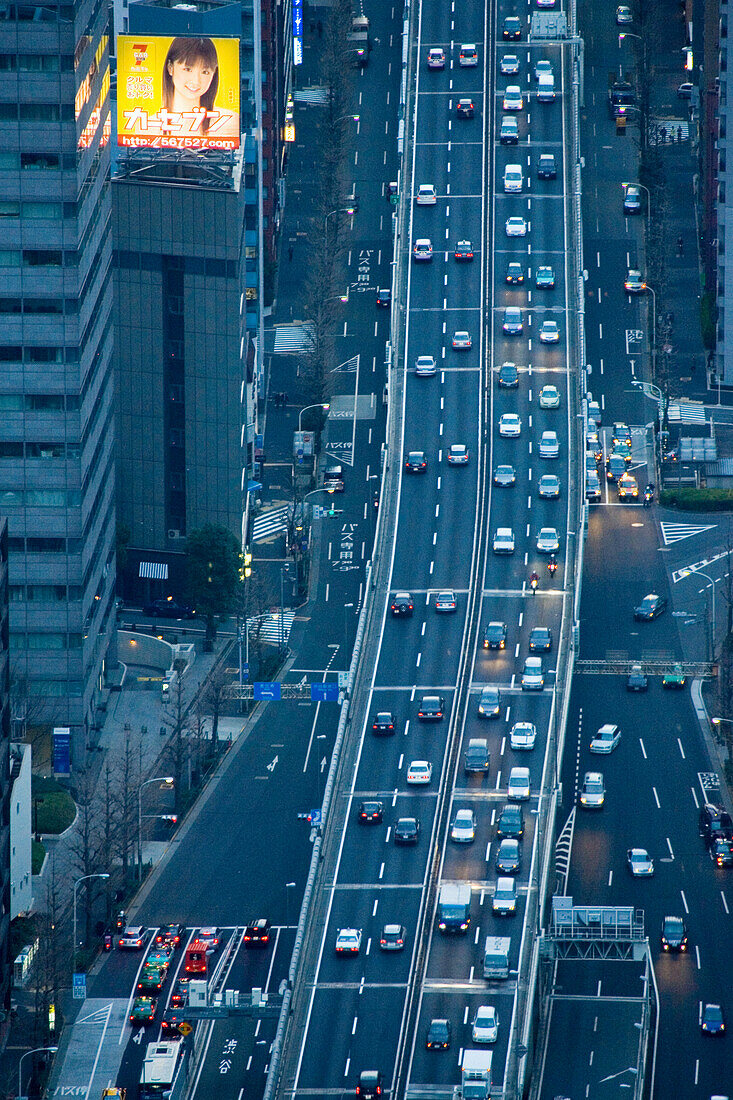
[[698, 500]]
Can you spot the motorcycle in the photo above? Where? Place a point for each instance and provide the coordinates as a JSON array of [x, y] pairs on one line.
[[534, 580], [648, 495], [121, 920], [552, 565], [107, 941]]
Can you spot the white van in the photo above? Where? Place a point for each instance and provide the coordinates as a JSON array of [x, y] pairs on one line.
[[549, 445], [533, 678], [513, 179], [545, 88]]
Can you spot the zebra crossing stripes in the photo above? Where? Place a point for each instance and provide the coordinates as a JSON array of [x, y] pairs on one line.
[[270, 629], [271, 523], [311, 95], [675, 532], [291, 338], [686, 413]]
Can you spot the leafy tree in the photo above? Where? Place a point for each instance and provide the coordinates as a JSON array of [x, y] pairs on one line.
[[213, 560]]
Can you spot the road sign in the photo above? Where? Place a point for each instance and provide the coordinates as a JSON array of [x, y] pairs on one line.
[[325, 693], [185, 1028], [315, 817], [343, 679], [80, 987], [265, 690]]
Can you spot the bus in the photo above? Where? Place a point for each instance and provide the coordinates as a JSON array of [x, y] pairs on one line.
[[196, 958], [161, 1067]]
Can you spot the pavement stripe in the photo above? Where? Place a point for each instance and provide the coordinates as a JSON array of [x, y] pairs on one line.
[[290, 338], [675, 532], [270, 523]]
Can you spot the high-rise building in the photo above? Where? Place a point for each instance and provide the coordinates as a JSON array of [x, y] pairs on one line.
[[7, 781], [187, 229], [56, 392]]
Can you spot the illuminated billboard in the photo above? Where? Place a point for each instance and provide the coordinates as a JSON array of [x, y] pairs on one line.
[[177, 93]]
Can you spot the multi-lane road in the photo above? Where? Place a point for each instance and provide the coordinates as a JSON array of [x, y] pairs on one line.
[[447, 519]]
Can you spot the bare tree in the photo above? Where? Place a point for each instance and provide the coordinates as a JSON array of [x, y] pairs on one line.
[[87, 848], [126, 784], [53, 955], [176, 721]]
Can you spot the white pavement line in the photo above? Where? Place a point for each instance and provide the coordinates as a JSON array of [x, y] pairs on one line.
[[684, 902]]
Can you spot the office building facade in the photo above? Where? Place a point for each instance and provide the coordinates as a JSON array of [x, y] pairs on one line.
[[56, 391], [188, 256], [6, 901]]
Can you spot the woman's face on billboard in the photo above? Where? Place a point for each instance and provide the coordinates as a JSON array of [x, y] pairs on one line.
[[190, 80]]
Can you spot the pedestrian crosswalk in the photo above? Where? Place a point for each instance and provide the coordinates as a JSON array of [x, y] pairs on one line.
[[667, 131], [686, 413], [270, 523], [270, 629], [311, 95], [291, 338]]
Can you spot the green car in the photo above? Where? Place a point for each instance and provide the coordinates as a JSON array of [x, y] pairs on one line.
[[143, 1011], [152, 979], [159, 956], [675, 678]]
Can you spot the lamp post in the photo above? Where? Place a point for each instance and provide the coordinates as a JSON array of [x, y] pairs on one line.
[[319, 737], [317, 405], [346, 635], [37, 1050], [343, 118], [711, 632], [73, 953], [288, 887], [339, 210], [156, 779]]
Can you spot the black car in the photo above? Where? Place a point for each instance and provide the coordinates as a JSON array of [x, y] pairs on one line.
[[464, 108], [508, 376], [170, 934], [511, 822], [370, 813], [370, 1084], [540, 639], [674, 934], [515, 273], [407, 830], [257, 933], [402, 604], [651, 607], [416, 462], [495, 636], [508, 857], [383, 724], [714, 822], [171, 1022], [632, 199], [721, 851], [512, 29], [637, 679], [168, 608], [711, 1021], [392, 937], [179, 996], [431, 708], [439, 1035], [464, 251], [384, 297], [546, 167]]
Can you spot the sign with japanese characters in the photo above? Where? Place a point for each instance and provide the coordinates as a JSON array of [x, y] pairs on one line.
[[178, 93]]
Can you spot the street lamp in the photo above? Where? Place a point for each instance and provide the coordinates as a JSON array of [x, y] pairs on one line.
[[325, 406], [73, 953], [288, 887], [346, 635], [343, 118], [52, 1050], [156, 779], [711, 633], [339, 210], [319, 737]]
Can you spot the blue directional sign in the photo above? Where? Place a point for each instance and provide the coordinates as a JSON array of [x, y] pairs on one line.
[[80, 987], [325, 693], [264, 690], [315, 817], [297, 32]]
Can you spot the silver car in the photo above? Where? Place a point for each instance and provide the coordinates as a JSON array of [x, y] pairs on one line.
[[463, 829]]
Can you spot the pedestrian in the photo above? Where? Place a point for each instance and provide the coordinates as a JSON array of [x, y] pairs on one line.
[[680, 244], [290, 253], [679, 133], [320, 29]]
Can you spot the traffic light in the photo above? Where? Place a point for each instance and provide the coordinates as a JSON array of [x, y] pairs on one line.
[[247, 563]]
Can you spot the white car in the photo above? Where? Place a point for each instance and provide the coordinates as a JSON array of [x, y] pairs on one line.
[[523, 735], [533, 677], [640, 862], [606, 739], [419, 773], [543, 67], [516, 227], [468, 56], [348, 941], [548, 487], [513, 98], [133, 937], [548, 541], [461, 341], [518, 788], [593, 791], [485, 1025], [509, 65], [463, 829], [426, 195], [425, 366], [446, 600], [503, 541], [549, 397], [458, 454], [549, 332], [510, 426], [549, 445]]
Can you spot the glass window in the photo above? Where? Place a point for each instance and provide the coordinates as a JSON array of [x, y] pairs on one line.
[[45, 498], [44, 450], [43, 355], [40, 160], [47, 210], [11, 402], [9, 257], [11, 305], [9, 162], [9, 209], [10, 354], [11, 450], [11, 498]]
